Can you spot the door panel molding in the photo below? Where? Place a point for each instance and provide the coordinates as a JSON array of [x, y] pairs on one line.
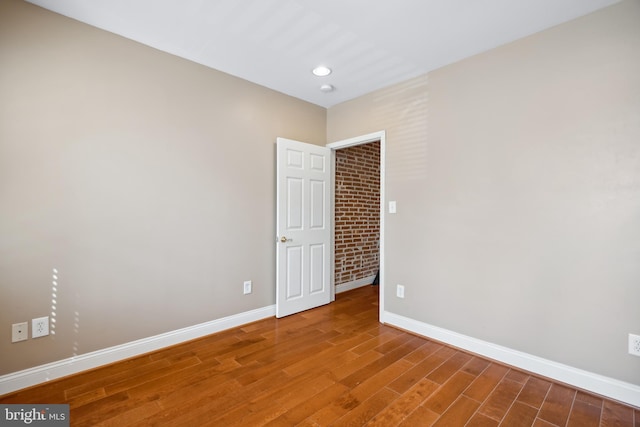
[[303, 226]]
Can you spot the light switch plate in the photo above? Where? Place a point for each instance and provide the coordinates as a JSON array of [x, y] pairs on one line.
[[248, 287], [392, 207]]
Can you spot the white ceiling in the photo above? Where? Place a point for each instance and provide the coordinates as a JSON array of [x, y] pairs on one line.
[[369, 44]]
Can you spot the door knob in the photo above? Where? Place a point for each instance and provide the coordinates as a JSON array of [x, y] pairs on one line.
[[284, 239]]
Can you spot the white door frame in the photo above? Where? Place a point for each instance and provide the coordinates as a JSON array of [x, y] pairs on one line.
[[351, 142]]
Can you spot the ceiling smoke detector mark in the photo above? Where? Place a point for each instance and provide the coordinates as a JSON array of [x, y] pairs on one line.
[[327, 88]]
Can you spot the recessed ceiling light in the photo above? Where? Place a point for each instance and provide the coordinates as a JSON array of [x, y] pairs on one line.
[[322, 71], [327, 88]]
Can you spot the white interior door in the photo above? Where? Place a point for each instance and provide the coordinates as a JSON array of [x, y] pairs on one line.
[[303, 252]]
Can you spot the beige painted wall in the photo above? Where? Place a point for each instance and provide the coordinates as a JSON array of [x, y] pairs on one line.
[[148, 181], [517, 178]]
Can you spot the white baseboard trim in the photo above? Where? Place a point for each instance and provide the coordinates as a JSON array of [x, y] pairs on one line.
[[599, 384], [40, 374], [344, 287]]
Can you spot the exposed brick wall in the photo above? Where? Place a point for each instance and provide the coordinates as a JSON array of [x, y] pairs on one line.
[[357, 210]]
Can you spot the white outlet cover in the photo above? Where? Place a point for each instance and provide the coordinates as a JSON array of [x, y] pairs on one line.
[[634, 344], [40, 327]]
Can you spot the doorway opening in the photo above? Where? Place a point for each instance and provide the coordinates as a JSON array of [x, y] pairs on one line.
[[358, 200], [357, 216]]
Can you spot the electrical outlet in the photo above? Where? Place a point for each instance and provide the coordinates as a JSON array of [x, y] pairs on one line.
[[634, 344], [248, 287], [40, 327], [400, 291], [19, 332]]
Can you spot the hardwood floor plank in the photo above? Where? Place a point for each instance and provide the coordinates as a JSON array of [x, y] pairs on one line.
[[499, 402], [200, 346], [450, 366], [216, 405], [557, 405], [236, 348], [458, 413], [197, 381], [422, 369], [439, 401], [517, 376], [99, 410], [314, 404], [329, 356], [328, 414], [332, 365], [49, 393], [616, 414], [267, 352], [171, 370], [405, 404], [205, 392], [541, 423], [479, 420], [361, 414], [379, 379], [349, 368], [267, 406], [132, 416], [288, 400], [520, 415], [422, 352], [359, 393], [403, 348], [421, 417], [104, 375], [87, 397], [476, 366], [586, 411], [385, 334], [487, 382], [534, 392]]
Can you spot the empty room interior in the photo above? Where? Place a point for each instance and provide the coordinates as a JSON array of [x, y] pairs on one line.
[[479, 207]]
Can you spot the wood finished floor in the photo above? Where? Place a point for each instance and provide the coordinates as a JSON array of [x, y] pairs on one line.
[[335, 365]]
